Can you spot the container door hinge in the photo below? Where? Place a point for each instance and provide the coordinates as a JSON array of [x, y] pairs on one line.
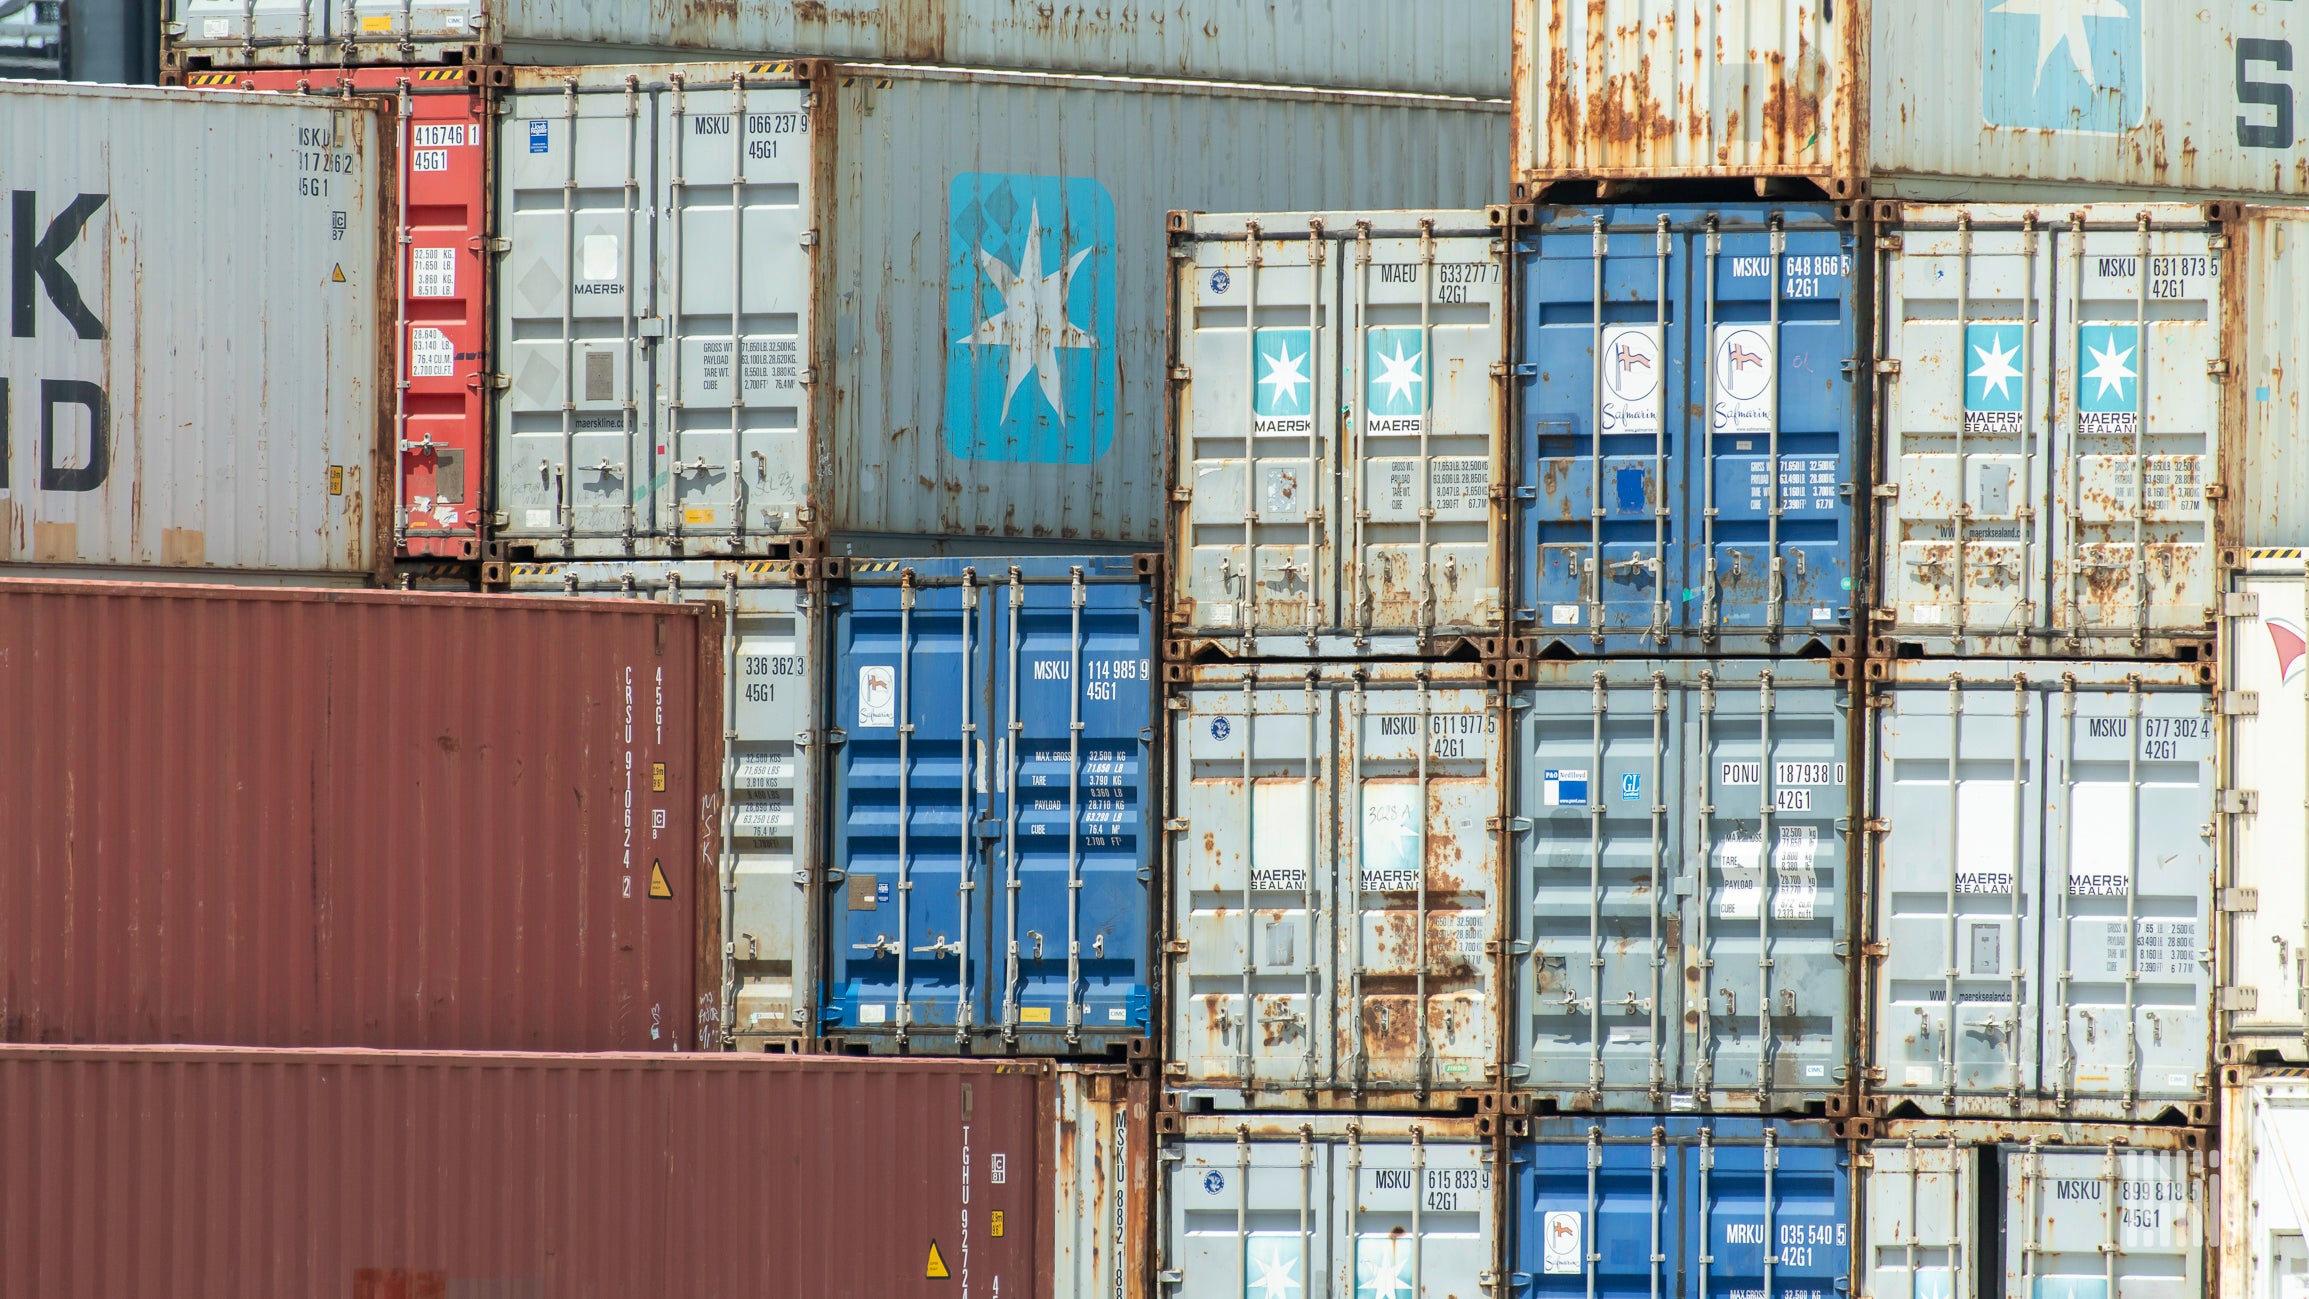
[[2241, 802], [2242, 901], [500, 381], [1176, 824], [2217, 365], [1501, 369], [1888, 366], [650, 327], [1527, 369], [1874, 951], [1175, 947], [2241, 604], [1182, 494], [1519, 947], [499, 244], [2239, 1000], [2216, 492], [809, 239], [1890, 243], [1172, 1276], [836, 736], [1877, 825], [1874, 1074], [1519, 825], [501, 519], [1181, 373], [2240, 703]]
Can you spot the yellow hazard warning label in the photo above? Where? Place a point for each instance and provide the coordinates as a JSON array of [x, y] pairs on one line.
[[998, 1222], [657, 778], [658, 888], [337, 276], [936, 1268], [336, 480]]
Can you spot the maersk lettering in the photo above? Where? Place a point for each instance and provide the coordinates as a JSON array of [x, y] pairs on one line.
[[37, 270], [2274, 128]]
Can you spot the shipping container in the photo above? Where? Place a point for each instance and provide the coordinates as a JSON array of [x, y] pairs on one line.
[[1334, 886], [1376, 529], [1104, 1216], [440, 430], [2264, 1218], [2040, 944], [1929, 102], [1659, 966], [2262, 945], [1457, 47], [1686, 429], [2265, 317], [1328, 1206], [990, 877], [766, 832], [1979, 1209], [945, 293], [334, 818], [199, 361], [1678, 1207], [209, 1173]]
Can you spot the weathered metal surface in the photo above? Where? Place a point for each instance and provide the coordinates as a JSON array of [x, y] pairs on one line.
[[2264, 1218], [2265, 327], [1916, 101], [2051, 402], [1454, 47], [2262, 943], [1341, 501], [1969, 1210], [1335, 870], [766, 833], [1686, 428], [311, 818], [1679, 1207], [1660, 965], [210, 1174], [198, 368], [1328, 1206], [991, 799], [2040, 933], [1104, 1215]]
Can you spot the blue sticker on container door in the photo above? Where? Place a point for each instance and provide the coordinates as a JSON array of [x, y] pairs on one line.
[[2062, 65], [2108, 379], [1563, 788], [1030, 319], [1394, 381], [1994, 386]]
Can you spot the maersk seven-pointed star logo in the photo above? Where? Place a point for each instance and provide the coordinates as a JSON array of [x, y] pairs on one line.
[[1271, 1267], [1283, 385], [1030, 319], [2110, 375], [1992, 375], [1383, 1268], [2062, 65]]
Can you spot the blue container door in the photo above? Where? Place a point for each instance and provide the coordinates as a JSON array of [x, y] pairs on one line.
[[1681, 1207], [1681, 369]]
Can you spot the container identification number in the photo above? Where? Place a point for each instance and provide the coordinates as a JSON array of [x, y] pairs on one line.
[[318, 159]]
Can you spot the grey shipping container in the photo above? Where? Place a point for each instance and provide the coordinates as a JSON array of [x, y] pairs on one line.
[[2050, 402], [2264, 1217], [1327, 1206], [2262, 945], [1342, 501], [1659, 964], [198, 368], [2265, 318], [2040, 939], [766, 832], [1334, 886], [1979, 1209], [1447, 46], [944, 292], [1912, 101]]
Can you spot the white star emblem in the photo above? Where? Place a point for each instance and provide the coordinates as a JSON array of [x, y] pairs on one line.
[[2109, 368], [1274, 1280], [1283, 375], [1399, 374], [1032, 322], [1386, 1279], [1996, 371], [2062, 22]]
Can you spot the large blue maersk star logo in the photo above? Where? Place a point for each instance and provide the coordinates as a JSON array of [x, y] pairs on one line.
[[2062, 65], [1030, 319]]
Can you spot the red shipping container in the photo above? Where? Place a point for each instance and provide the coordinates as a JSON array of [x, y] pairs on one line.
[[348, 818], [441, 420], [207, 1174]]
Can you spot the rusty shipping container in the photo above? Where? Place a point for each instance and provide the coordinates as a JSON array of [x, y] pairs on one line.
[[2265, 314], [244, 817], [212, 1173], [1931, 102], [197, 373]]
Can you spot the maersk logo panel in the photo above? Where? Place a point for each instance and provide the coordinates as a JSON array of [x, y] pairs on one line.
[[1283, 388], [1395, 380], [1030, 319], [2062, 65]]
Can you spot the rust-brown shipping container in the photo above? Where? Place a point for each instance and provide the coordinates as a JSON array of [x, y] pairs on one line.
[[263, 1174], [334, 818]]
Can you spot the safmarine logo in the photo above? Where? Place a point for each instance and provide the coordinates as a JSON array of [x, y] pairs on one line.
[[2062, 65], [1030, 319]]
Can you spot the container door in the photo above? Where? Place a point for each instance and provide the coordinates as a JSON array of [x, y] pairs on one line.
[[2139, 386], [1259, 333], [1103, 1216], [1597, 1217], [1418, 821], [772, 695], [2096, 1222], [2266, 952], [1769, 934], [1959, 774], [1418, 1219], [1918, 1240], [1428, 327], [444, 431], [1766, 1217], [1251, 1218], [229, 25], [1967, 431], [2128, 877], [2271, 1156]]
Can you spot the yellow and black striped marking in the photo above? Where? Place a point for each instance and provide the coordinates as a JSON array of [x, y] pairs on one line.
[[212, 79], [2276, 552]]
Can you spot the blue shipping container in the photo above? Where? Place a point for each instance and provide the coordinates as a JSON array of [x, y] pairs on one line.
[[963, 916], [1729, 343], [1681, 1207]]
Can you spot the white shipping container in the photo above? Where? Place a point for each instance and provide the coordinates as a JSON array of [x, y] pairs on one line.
[[2264, 1211], [197, 371], [2264, 897], [2265, 448]]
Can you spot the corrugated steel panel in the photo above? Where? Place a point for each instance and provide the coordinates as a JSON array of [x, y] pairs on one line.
[[1659, 966], [1915, 101], [2265, 327], [259, 1174], [2041, 938], [1457, 47], [2262, 945], [766, 831], [1104, 1214], [2051, 403], [2264, 1217], [1372, 527], [1971, 1210], [1328, 1206], [1686, 428], [1335, 851], [990, 847], [202, 378], [1681, 1207], [310, 818]]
